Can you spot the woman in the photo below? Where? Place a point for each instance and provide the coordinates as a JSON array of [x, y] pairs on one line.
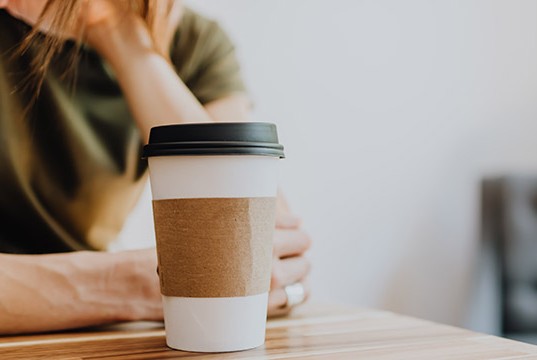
[[70, 152]]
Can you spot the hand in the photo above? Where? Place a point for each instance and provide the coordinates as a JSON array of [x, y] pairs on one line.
[[137, 272], [90, 15], [71, 290], [289, 264], [90, 12]]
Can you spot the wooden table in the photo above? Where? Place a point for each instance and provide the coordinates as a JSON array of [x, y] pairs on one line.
[[312, 332]]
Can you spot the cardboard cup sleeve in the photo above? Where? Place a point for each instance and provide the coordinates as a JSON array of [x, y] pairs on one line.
[[214, 247]]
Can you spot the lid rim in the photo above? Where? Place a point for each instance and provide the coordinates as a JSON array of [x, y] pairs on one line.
[[243, 138], [213, 151], [212, 144]]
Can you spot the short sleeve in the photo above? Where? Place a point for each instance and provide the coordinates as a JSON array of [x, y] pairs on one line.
[[205, 59]]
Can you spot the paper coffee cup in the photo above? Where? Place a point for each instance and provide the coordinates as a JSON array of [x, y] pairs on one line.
[[214, 189]]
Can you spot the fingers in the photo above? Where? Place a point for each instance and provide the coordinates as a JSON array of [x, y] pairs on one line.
[[290, 243], [276, 303], [287, 221], [281, 203], [278, 299], [289, 271], [289, 267]]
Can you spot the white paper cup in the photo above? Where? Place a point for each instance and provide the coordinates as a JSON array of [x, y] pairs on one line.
[[215, 168]]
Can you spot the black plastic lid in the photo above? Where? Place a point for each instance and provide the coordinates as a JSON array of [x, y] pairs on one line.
[[214, 139]]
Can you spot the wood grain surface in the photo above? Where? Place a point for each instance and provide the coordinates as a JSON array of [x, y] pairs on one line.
[[312, 332]]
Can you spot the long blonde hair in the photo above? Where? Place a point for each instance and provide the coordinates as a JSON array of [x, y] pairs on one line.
[[61, 15]]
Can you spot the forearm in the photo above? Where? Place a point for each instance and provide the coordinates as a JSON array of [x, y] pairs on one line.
[[61, 291], [154, 91]]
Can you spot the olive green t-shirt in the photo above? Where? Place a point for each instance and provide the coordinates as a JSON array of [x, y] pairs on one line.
[[70, 166]]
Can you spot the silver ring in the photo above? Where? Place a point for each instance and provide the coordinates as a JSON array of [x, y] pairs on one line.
[[296, 295]]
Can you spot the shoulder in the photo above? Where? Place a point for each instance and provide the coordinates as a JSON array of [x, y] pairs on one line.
[[199, 27], [204, 58], [198, 24], [199, 40]]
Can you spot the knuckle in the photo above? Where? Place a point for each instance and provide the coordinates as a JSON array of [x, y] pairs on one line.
[[305, 240], [287, 221], [276, 298], [277, 278], [276, 243], [280, 220], [284, 311]]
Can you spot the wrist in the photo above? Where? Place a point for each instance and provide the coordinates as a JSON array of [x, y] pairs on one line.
[[136, 275], [118, 40], [99, 285]]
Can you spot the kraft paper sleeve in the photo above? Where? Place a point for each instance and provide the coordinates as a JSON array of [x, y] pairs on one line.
[[214, 247]]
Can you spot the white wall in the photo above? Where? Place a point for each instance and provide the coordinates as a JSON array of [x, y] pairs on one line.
[[391, 112]]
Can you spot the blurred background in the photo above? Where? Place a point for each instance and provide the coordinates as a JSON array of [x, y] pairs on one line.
[[393, 113]]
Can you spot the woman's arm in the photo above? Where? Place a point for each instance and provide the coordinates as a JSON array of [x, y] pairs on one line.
[[231, 108], [62, 291], [155, 93], [66, 291], [157, 96]]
